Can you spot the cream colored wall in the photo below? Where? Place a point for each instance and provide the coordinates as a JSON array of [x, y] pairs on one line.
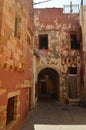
[[35, 77], [83, 26]]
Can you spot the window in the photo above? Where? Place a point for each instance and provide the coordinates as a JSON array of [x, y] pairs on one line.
[[28, 39], [17, 27], [29, 36], [74, 42], [72, 70], [43, 41], [10, 110]]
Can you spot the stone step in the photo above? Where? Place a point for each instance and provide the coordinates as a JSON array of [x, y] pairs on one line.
[[59, 127], [74, 102]]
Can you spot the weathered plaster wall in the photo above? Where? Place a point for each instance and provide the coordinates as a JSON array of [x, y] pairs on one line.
[[59, 55], [28, 4], [15, 61], [1, 8]]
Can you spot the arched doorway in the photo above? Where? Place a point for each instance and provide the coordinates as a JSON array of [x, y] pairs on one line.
[[48, 84]]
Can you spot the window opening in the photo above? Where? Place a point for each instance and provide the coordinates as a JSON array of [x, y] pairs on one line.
[[10, 110], [43, 41], [74, 43], [17, 27], [72, 70]]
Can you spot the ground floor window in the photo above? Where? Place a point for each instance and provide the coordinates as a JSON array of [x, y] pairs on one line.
[[11, 108], [72, 70]]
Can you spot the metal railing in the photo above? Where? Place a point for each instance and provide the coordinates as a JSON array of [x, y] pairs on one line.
[[72, 8]]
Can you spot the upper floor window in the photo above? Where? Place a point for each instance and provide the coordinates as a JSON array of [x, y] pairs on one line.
[[74, 42], [17, 27], [43, 41], [12, 111]]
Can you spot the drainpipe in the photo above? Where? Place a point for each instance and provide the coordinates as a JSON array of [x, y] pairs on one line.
[[81, 2]]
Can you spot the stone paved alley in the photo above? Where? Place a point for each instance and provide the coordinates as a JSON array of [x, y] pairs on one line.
[[51, 112]]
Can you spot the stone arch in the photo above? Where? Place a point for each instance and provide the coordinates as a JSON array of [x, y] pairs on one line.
[[49, 66], [48, 83]]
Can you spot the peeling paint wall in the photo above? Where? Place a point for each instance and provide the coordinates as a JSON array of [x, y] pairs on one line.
[[59, 55], [28, 4]]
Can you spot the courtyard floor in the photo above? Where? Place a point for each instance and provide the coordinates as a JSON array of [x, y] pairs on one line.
[[52, 115]]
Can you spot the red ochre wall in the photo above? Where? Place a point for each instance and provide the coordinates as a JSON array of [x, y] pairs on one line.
[[51, 16], [29, 5], [10, 80], [55, 19]]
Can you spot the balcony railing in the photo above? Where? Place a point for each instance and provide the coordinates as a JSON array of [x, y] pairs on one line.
[[72, 8]]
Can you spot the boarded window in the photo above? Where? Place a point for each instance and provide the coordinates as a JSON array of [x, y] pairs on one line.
[[43, 41]]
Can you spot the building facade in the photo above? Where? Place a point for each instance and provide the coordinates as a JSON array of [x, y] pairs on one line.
[[16, 61], [57, 45]]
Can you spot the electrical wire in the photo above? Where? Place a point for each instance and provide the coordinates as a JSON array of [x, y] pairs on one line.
[[41, 2]]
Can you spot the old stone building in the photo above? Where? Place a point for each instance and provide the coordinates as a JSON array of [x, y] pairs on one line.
[[57, 46], [16, 61], [48, 62]]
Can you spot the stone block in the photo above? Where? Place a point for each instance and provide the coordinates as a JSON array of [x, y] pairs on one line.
[[2, 91], [19, 51], [27, 81], [16, 56]]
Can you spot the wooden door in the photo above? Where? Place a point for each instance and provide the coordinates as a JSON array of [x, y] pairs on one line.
[[72, 86]]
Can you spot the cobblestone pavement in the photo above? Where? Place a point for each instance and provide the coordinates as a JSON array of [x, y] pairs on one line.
[[51, 112]]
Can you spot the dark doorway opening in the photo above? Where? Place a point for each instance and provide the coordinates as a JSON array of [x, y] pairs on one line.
[[48, 84], [43, 88]]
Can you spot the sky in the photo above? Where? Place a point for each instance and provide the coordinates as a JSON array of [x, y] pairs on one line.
[[55, 3]]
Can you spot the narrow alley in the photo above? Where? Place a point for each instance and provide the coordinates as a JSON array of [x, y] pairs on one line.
[[42, 56], [51, 112]]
